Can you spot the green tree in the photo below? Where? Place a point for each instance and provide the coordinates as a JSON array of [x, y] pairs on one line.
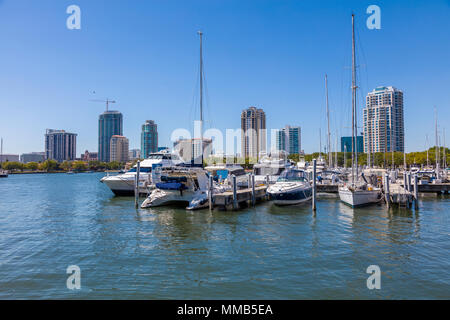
[[12, 165], [49, 165], [33, 166], [79, 165]]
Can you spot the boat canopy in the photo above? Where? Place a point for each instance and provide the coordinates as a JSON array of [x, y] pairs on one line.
[[292, 175]]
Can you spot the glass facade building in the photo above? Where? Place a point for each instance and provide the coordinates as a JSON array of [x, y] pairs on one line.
[[346, 144], [289, 139], [110, 123], [149, 138]]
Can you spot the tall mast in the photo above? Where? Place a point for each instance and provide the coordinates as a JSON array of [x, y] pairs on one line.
[[444, 160], [320, 143], [1, 154], [200, 33], [436, 136], [354, 121], [328, 119]]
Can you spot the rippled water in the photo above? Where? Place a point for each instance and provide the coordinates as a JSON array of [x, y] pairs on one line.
[[48, 222]]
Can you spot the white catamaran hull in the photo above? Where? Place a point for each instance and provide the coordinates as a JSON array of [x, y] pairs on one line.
[[359, 197]]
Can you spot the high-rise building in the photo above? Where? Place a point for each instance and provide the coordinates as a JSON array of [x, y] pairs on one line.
[[32, 157], [110, 123], [253, 139], [119, 149], [60, 145], [189, 150], [149, 138], [288, 139], [346, 144], [134, 154], [383, 121]]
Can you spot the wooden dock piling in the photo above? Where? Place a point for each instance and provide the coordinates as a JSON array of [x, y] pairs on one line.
[[387, 196], [136, 186], [235, 202], [314, 190]]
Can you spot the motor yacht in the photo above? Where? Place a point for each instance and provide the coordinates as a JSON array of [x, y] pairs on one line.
[[292, 187], [124, 184]]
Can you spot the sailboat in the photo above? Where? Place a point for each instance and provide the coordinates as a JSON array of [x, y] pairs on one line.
[[358, 193], [185, 184], [3, 173]]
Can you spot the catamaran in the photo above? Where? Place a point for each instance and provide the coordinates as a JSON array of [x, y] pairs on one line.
[[357, 193]]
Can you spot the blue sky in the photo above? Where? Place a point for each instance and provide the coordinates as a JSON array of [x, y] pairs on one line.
[[270, 54]]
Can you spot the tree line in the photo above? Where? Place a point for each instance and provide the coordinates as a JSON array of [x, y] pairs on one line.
[[381, 159], [54, 166]]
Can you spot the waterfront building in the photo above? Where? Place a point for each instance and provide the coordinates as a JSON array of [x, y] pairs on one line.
[[383, 121], [60, 145], [253, 136], [89, 156], [32, 157], [190, 150], [288, 139], [119, 148], [346, 144], [9, 157], [110, 123], [134, 154], [149, 138]]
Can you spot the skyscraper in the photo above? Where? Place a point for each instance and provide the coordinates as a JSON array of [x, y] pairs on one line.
[[110, 123], [60, 145], [289, 139], [253, 138], [383, 121], [346, 144], [119, 149], [190, 150], [149, 138]]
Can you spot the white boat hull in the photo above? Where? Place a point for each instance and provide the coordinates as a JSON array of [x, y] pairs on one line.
[[359, 197], [160, 197], [123, 185]]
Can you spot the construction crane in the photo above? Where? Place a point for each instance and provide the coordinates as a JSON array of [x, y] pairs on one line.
[[107, 101]]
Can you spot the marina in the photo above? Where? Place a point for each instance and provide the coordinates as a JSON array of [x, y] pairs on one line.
[[51, 221]]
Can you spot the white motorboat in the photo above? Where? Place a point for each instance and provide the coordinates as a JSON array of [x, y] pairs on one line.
[[180, 185], [222, 173], [292, 187], [270, 166], [124, 184], [359, 195]]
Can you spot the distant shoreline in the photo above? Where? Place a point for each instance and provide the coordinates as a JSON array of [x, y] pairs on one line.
[[54, 172]]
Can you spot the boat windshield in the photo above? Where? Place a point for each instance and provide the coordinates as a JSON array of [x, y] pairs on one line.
[[271, 171], [292, 175], [143, 169]]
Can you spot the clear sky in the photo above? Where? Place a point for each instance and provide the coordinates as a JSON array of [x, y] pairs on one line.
[[269, 54]]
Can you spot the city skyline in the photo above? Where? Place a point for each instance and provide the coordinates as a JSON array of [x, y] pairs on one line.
[[282, 75]]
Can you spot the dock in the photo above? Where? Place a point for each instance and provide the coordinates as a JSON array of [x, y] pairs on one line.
[[230, 199]]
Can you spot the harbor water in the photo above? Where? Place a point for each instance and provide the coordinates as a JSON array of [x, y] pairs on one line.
[[51, 221]]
